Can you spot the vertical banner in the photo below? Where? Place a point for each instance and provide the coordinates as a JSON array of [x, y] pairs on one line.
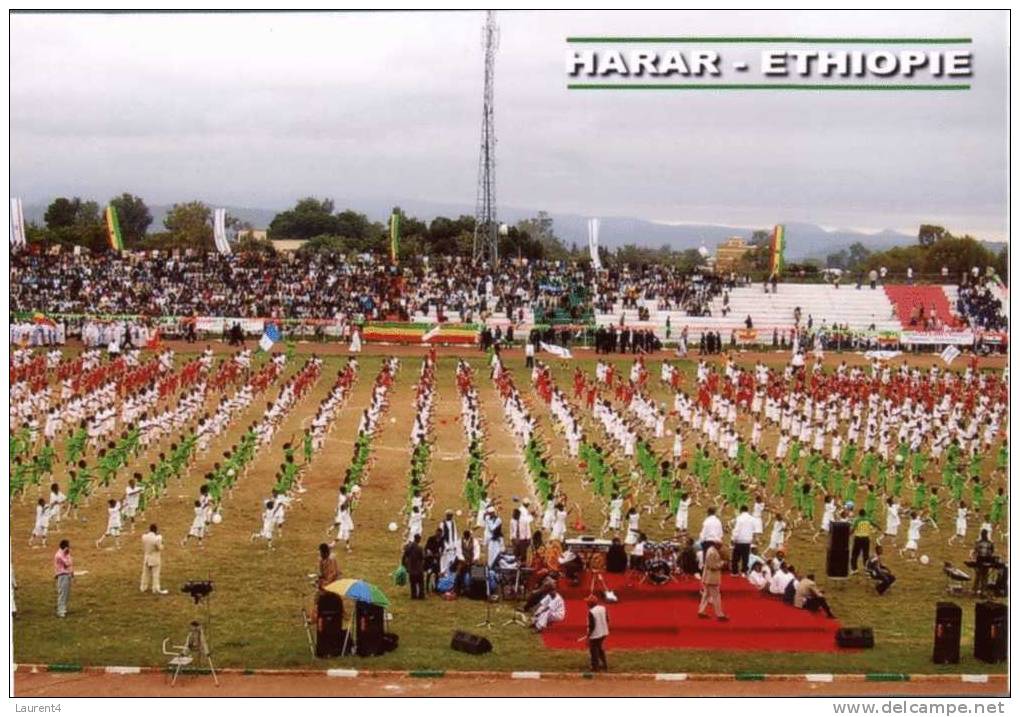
[[777, 246], [17, 224], [220, 231], [394, 236], [593, 243], [113, 228]]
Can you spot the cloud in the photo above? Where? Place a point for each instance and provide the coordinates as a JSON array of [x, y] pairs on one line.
[[262, 108]]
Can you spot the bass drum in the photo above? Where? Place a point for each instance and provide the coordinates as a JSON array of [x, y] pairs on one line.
[[658, 572]]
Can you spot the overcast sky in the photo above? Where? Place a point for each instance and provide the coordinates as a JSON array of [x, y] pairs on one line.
[[258, 110]]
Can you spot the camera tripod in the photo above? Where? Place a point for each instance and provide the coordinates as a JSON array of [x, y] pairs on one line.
[[195, 646]]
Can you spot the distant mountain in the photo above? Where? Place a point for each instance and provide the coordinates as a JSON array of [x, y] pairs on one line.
[[804, 240]]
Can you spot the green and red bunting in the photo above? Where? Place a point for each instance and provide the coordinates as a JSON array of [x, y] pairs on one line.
[[408, 333], [113, 229], [777, 246]]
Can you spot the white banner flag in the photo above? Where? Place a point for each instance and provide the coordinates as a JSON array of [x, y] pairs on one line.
[[560, 351], [593, 242], [220, 231], [949, 354], [17, 224]]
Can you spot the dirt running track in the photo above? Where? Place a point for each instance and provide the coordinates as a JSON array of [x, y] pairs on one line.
[[45, 684]]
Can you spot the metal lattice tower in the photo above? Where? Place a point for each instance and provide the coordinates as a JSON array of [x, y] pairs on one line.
[[486, 240]]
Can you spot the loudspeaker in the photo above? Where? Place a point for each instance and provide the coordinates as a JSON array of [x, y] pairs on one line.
[[990, 630], [370, 623], [329, 621], [616, 559], [478, 582], [855, 637], [471, 644], [837, 559], [948, 621]]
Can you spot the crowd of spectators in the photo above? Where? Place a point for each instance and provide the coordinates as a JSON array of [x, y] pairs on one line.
[[289, 286], [980, 308]]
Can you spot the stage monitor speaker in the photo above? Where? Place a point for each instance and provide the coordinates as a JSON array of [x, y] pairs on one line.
[[837, 559], [478, 582], [370, 621], [990, 631], [471, 644], [948, 623], [329, 610], [860, 637]]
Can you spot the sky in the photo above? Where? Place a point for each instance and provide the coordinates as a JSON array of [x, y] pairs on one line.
[[258, 110]]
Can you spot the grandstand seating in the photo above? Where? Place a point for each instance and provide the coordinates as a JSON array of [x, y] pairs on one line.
[[824, 304], [908, 300]]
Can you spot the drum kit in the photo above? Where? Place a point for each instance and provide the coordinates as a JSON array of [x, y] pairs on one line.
[[661, 562]]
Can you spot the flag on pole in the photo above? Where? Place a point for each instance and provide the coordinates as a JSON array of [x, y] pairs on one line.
[[270, 335], [220, 231], [559, 351], [113, 228], [434, 331], [17, 224], [949, 354], [593, 243], [777, 246], [394, 235]]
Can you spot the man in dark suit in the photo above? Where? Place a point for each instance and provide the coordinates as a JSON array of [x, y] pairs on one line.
[[413, 561]]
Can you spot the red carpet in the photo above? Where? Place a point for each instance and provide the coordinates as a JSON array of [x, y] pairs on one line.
[[649, 617]]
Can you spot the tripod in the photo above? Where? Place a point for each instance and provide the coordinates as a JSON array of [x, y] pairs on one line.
[[195, 645], [487, 622]]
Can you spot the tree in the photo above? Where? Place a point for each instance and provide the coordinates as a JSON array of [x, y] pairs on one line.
[[309, 218], [190, 224], [134, 217], [445, 233], [353, 225], [540, 228], [62, 212], [838, 260], [857, 256], [928, 234]]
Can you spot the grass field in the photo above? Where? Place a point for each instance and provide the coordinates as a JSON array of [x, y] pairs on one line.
[[255, 610]]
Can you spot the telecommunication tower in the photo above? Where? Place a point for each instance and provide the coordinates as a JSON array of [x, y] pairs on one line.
[[486, 239]]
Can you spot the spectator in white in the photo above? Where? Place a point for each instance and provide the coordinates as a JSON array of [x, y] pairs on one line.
[[757, 577], [780, 579], [743, 534], [711, 528], [552, 608], [910, 275]]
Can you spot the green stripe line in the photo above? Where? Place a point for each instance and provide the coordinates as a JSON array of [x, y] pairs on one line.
[[886, 677], [773, 39], [63, 667], [426, 673], [768, 86], [749, 676]]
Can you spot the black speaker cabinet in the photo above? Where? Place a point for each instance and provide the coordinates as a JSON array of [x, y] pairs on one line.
[[329, 625], [471, 644], [859, 637], [990, 631], [948, 623], [837, 558], [478, 582], [370, 622]]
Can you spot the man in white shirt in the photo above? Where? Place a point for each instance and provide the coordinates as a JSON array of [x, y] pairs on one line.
[[743, 534], [551, 609], [711, 528]]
